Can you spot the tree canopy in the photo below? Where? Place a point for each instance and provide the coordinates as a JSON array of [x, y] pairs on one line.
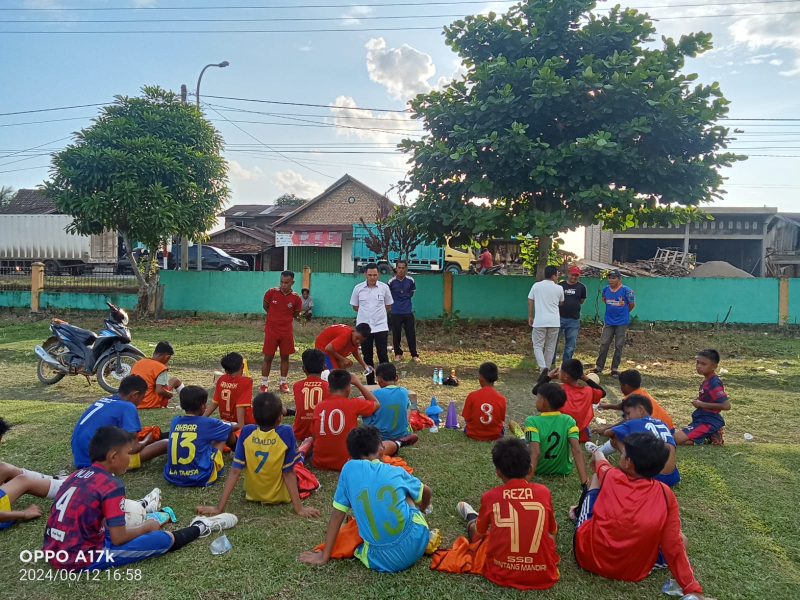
[[149, 167], [564, 119], [290, 200]]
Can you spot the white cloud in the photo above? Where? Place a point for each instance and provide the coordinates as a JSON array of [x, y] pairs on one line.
[[305, 47], [404, 71], [293, 183], [237, 171], [758, 59], [776, 62], [351, 16], [367, 125], [770, 31]]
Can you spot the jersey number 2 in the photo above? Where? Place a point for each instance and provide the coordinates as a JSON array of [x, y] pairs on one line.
[[554, 438]]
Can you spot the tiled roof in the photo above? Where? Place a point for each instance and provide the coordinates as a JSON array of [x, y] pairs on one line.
[[258, 210], [29, 202]]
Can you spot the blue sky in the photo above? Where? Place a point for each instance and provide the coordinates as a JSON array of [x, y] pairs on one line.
[[756, 59]]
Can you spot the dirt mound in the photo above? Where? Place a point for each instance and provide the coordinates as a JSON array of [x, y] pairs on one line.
[[718, 268]]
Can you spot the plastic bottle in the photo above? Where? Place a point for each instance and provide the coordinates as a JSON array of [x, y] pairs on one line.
[[453, 372], [671, 588], [434, 376], [440, 379]]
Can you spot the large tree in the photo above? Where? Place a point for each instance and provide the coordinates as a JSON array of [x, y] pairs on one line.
[[565, 119], [290, 200], [7, 194], [149, 167]]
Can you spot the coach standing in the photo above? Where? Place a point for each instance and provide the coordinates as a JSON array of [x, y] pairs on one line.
[[282, 304], [371, 299], [403, 288], [548, 296], [619, 301], [574, 297]]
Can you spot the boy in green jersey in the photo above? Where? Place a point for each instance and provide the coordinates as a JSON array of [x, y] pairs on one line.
[[556, 432]]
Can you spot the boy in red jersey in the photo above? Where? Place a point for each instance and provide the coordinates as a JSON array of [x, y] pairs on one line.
[[309, 392], [335, 416], [627, 523], [485, 409], [337, 342], [282, 305], [517, 520], [580, 398], [86, 528], [233, 394], [711, 400]]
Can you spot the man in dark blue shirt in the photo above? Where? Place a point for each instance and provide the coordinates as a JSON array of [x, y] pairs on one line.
[[403, 288]]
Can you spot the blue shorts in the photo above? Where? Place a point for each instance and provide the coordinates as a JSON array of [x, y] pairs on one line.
[[402, 553], [586, 507], [670, 478], [150, 544], [328, 363], [698, 431], [5, 504]]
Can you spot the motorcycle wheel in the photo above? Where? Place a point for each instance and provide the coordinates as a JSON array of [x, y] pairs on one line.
[[46, 374], [107, 375]]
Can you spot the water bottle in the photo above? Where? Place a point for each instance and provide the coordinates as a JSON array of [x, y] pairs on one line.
[[453, 373], [434, 376], [441, 376], [671, 588]]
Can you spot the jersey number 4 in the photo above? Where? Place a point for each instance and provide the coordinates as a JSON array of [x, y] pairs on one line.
[[512, 522]]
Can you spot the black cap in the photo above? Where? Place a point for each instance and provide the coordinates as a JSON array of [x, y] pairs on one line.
[[614, 273]]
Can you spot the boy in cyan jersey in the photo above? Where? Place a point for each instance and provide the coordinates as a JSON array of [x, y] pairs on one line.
[[267, 453], [391, 418], [556, 432], [194, 458], [118, 410], [386, 502], [233, 393]]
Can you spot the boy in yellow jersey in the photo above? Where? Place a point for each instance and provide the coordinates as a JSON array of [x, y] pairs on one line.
[[267, 453]]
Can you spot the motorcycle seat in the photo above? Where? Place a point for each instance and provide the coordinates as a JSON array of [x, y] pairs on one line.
[[82, 336]]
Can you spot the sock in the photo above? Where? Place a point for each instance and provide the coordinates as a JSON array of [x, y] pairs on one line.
[[265, 380], [185, 536], [55, 485], [607, 448], [283, 379], [471, 517], [291, 412], [35, 474]]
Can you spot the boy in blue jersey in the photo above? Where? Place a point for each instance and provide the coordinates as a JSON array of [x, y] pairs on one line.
[[386, 502], [14, 482], [120, 411], [638, 409], [711, 400], [391, 418], [194, 458], [267, 453]]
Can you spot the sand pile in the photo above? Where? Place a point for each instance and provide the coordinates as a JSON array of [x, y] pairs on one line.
[[718, 268]]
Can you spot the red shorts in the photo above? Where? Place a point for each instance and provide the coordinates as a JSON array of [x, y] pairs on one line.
[[274, 340]]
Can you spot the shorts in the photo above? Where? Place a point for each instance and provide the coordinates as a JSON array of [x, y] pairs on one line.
[[502, 434], [219, 467], [273, 340], [329, 363], [5, 504], [136, 461], [585, 435], [401, 554], [586, 507], [669, 478], [698, 431], [154, 543]]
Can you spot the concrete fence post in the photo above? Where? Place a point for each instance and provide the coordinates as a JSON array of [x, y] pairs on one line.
[[37, 284], [448, 292], [306, 277], [783, 300]]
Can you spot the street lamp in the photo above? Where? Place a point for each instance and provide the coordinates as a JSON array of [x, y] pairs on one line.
[[221, 65]]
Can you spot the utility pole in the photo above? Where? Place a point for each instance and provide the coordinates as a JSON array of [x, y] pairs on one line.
[[184, 239]]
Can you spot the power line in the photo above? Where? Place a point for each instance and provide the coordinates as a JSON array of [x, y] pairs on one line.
[[39, 110], [25, 169], [35, 147], [281, 114], [304, 104], [47, 121]]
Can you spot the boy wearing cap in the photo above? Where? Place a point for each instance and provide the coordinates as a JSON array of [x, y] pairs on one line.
[[619, 301], [574, 297]]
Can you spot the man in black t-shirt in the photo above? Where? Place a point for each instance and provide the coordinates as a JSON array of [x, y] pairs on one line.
[[574, 296]]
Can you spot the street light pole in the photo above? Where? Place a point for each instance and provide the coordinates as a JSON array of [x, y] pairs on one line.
[[221, 65]]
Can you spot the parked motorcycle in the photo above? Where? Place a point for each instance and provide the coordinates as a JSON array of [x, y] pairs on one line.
[[475, 269], [75, 351]]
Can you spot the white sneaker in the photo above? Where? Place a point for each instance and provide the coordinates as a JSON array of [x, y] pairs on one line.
[[465, 510], [152, 502], [591, 447], [218, 522]]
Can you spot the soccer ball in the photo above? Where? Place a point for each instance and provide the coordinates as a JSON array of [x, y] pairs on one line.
[[135, 514]]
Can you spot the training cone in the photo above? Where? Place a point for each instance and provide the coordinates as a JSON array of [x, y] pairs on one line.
[[433, 411], [452, 420]]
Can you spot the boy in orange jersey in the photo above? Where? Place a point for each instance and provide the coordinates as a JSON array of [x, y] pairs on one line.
[[233, 394], [309, 392], [160, 387], [485, 409]]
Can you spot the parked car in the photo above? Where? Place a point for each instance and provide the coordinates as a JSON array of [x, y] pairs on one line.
[[214, 259]]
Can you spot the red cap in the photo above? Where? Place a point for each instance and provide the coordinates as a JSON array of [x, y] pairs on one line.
[[575, 269]]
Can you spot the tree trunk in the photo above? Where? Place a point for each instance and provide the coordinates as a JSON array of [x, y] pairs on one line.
[[145, 290], [544, 243]]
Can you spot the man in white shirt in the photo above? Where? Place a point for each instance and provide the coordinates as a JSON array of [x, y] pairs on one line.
[[547, 295], [371, 299]]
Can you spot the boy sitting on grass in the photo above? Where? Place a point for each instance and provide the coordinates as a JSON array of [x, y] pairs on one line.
[[630, 382], [233, 393], [485, 409], [391, 418], [580, 398], [86, 528], [196, 442], [521, 553], [119, 410], [267, 453], [707, 421], [14, 482], [627, 523], [387, 503], [557, 432], [336, 416], [160, 386], [309, 392]]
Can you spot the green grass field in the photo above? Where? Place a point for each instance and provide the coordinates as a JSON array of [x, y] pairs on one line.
[[738, 501]]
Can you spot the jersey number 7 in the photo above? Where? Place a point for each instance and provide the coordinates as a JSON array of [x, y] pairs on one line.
[[512, 522]]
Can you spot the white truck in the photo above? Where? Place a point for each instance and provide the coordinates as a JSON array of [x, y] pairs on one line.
[[25, 239]]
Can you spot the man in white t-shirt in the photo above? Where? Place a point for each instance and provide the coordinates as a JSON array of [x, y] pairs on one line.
[[547, 295], [371, 299]]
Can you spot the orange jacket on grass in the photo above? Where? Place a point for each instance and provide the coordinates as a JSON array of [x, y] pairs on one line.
[[149, 370]]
